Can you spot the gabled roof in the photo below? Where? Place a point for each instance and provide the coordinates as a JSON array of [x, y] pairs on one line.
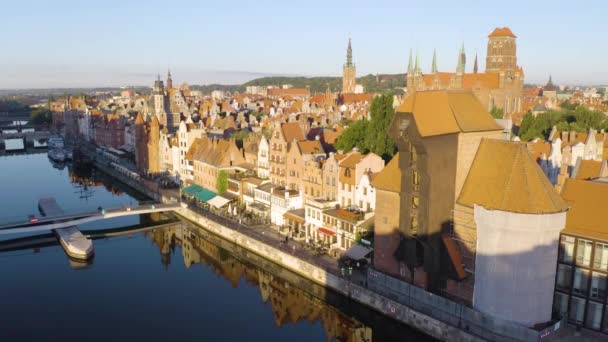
[[389, 178], [588, 169], [291, 131], [310, 147], [504, 177], [588, 214], [502, 32], [352, 159], [443, 112]]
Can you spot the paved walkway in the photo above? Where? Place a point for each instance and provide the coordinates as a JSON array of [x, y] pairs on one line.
[[270, 236]]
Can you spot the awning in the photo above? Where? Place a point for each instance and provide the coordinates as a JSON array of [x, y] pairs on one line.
[[326, 231], [357, 252], [218, 201], [205, 195], [192, 189]]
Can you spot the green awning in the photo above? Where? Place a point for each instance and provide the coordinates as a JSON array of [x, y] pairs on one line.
[[192, 189], [204, 195]]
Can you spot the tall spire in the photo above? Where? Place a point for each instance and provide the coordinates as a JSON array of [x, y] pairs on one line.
[[461, 60], [349, 54], [475, 64], [434, 65], [410, 66], [416, 66]]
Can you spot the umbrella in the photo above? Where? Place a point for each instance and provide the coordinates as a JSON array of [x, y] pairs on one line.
[[235, 212], [229, 208]]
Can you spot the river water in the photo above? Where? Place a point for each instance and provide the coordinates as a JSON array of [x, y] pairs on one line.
[[172, 282]]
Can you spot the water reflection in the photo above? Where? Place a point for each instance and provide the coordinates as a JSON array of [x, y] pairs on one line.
[[291, 297]]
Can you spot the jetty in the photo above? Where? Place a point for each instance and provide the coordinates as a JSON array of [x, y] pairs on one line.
[[75, 244]]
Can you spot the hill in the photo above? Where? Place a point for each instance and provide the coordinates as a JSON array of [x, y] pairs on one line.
[[381, 83]]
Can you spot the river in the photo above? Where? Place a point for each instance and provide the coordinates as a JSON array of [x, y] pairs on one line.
[[175, 282]]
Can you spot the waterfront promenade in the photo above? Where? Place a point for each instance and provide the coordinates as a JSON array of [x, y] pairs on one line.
[[429, 313]]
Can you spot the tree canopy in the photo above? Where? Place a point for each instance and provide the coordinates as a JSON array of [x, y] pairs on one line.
[[579, 119], [372, 135], [497, 113], [221, 183], [41, 116]]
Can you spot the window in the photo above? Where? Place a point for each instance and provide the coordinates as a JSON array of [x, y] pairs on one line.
[[583, 252], [414, 222], [385, 220], [598, 286], [564, 277], [600, 261], [594, 316], [415, 178], [577, 310], [581, 281], [560, 304], [566, 249], [364, 191], [415, 202]]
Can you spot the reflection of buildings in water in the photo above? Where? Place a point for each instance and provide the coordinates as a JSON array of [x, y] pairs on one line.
[[289, 304], [88, 177]]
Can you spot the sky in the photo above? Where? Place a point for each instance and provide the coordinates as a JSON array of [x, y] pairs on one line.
[[120, 43]]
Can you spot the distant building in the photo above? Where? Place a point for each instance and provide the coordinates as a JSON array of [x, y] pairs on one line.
[[349, 72], [500, 86]]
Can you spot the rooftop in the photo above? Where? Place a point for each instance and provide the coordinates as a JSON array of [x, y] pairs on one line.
[[440, 112], [588, 214], [504, 177]]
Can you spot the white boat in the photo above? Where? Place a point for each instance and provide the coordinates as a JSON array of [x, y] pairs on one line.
[[57, 155]]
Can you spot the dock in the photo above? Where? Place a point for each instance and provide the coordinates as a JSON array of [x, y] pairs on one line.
[[75, 244]]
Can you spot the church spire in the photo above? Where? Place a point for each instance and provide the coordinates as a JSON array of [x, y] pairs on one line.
[[349, 54], [434, 65], [475, 64], [410, 67], [461, 61], [416, 66], [169, 80]]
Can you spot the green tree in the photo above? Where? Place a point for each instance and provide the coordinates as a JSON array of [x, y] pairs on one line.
[[587, 118], [530, 128], [568, 105], [354, 136], [221, 183], [41, 116], [239, 136], [497, 113], [378, 139]]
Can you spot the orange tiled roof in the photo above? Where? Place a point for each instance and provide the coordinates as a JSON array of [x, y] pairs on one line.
[[443, 112], [291, 131], [589, 169], [481, 80], [588, 214], [389, 178], [310, 147], [504, 177], [502, 32]]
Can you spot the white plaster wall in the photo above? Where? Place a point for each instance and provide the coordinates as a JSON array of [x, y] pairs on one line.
[[515, 264]]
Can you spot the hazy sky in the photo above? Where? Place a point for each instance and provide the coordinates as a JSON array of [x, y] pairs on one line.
[[113, 43]]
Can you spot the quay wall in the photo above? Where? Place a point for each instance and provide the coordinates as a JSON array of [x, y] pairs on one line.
[[399, 312]]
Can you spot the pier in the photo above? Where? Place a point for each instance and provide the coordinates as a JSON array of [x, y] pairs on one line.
[[73, 242]]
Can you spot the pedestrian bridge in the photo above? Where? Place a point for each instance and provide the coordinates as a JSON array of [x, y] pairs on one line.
[[69, 220]]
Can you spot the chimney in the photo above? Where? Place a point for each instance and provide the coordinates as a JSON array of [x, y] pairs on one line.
[[317, 137]]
